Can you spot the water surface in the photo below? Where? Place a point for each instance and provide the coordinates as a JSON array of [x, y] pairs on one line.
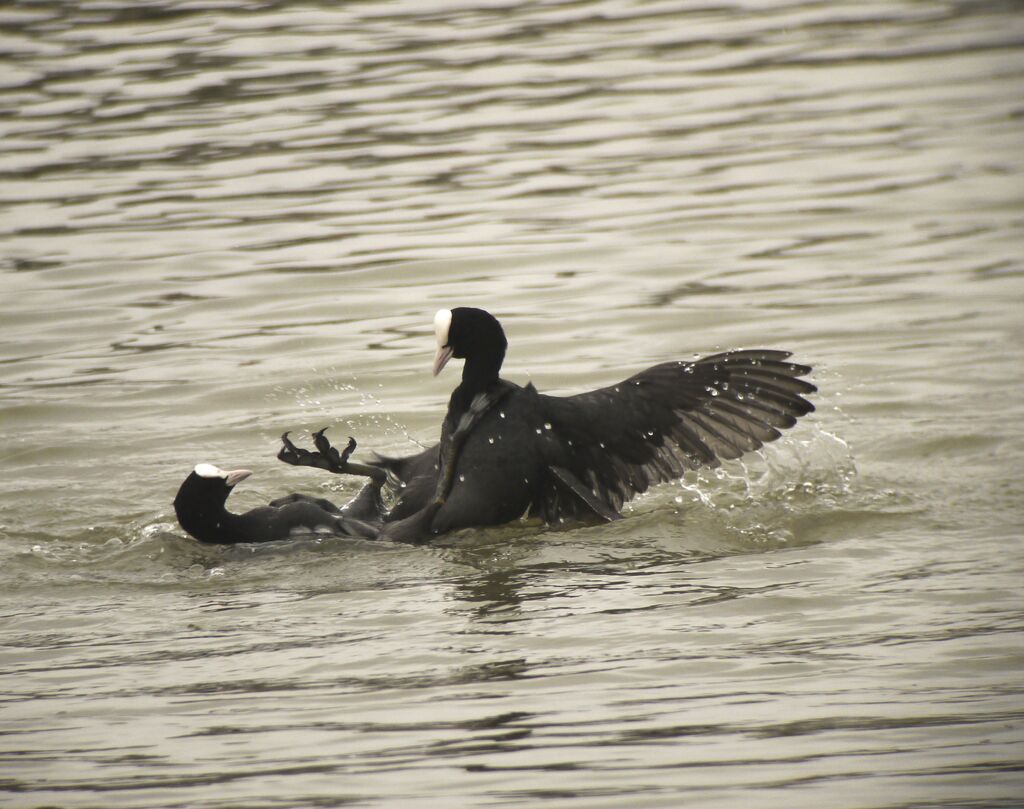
[[222, 220]]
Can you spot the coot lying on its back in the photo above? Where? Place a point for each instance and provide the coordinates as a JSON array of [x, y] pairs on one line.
[[201, 510], [507, 450]]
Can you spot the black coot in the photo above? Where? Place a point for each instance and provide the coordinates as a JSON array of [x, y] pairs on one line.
[[507, 450], [201, 510]]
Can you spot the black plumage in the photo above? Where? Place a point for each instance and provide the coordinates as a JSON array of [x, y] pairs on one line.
[[202, 511], [507, 450]]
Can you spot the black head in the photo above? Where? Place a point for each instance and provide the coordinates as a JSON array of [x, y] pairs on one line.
[[470, 334], [199, 503]]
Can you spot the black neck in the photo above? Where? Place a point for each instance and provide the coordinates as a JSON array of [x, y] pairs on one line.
[[479, 375], [210, 523]]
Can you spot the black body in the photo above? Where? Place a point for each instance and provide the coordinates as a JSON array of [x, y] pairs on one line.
[[201, 510], [507, 450]]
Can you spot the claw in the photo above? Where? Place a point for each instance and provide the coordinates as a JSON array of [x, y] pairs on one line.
[[328, 451], [349, 449], [297, 456], [321, 442], [289, 453], [328, 458]]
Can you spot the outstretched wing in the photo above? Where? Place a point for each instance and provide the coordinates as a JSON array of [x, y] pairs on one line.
[[618, 441]]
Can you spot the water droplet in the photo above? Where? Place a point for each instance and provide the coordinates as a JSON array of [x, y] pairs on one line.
[[547, 425], [490, 440], [462, 478], [538, 431], [501, 413]]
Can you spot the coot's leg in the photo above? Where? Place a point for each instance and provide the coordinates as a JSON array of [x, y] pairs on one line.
[[297, 456], [416, 528], [328, 458], [453, 440], [367, 504]]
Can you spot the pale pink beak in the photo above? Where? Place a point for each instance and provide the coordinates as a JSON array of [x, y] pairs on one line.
[[236, 476], [444, 353]]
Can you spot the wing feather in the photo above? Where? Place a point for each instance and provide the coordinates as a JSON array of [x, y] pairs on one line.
[[676, 416]]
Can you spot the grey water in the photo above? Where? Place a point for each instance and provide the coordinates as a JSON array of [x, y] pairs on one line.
[[223, 220]]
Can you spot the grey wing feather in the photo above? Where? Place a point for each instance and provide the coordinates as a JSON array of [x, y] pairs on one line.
[[618, 441]]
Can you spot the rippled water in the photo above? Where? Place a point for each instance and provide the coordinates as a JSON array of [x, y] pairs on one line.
[[224, 220]]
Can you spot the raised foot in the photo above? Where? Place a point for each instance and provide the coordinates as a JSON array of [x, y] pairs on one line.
[[327, 449], [326, 457]]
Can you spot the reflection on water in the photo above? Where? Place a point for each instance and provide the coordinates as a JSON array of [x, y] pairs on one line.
[[223, 220]]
